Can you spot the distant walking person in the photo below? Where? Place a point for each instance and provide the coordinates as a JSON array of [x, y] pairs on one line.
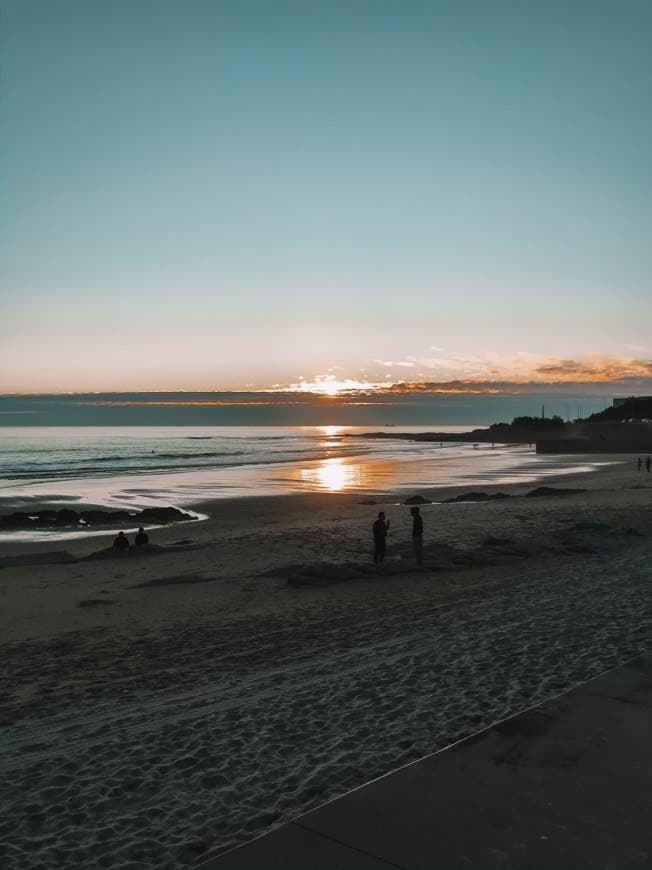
[[121, 542], [648, 463], [417, 535], [142, 538], [380, 529], [640, 462]]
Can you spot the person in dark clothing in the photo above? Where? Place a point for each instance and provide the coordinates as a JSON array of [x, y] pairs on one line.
[[141, 538], [121, 542], [380, 529], [640, 462], [417, 535]]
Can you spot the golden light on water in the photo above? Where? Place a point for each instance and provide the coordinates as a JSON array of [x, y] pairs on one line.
[[330, 431], [341, 473], [332, 475]]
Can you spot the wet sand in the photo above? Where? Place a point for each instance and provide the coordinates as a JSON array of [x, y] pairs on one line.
[[157, 707]]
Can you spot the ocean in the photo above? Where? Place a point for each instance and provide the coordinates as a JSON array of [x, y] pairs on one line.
[[134, 467], [390, 407], [136, 450]]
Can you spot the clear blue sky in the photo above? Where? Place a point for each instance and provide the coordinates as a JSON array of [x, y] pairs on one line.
[[214, 194]]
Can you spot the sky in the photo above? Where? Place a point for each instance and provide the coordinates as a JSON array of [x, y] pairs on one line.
[[263, 194]]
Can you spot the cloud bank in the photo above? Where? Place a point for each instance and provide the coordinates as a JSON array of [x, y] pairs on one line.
[[518, 373]]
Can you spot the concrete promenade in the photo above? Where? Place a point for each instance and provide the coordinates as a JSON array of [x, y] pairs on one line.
[[567, 784]]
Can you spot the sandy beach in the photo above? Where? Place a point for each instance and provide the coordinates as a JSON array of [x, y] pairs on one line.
[[158, 707]]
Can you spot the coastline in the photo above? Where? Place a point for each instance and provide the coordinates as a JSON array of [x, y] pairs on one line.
[[196, 697], [229, 512], [352, 476]]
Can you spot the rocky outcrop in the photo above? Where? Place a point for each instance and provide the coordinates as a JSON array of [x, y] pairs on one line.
[[546, 491], [67, 518], [476, 496]]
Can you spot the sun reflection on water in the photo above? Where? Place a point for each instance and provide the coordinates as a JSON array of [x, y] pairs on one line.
[[332, 474], [330, 431]]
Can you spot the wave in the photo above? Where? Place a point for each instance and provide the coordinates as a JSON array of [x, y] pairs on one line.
[[143, 458], [42, 474], [93, 458]]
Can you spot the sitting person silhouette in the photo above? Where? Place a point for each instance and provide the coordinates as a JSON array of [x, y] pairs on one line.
[[121, 542], [141, 538]]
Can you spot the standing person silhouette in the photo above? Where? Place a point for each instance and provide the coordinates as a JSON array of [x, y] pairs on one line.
[[380, 529], [640, 462], [648, 463], [417, 535]]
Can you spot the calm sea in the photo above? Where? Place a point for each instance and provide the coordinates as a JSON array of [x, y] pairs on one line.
[[134, 467], [133, 450], [287, 409]]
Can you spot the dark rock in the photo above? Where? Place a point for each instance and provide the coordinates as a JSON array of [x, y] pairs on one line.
[[417, 499], [99, 518], [477, 496], [543, 491], [18, 520], [66, 517], [96, 518]]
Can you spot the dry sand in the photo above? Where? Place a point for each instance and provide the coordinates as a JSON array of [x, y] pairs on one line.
[[158, 707]]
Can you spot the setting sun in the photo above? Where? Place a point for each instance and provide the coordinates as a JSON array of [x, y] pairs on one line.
[[329, 385], [330, 431]]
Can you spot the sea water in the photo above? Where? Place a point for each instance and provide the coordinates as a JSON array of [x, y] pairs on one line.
[[135, 467]]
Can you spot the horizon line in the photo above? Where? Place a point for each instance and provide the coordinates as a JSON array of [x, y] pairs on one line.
[[399, 388]]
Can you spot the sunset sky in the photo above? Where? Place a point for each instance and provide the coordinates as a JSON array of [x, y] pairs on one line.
[[262, 193]]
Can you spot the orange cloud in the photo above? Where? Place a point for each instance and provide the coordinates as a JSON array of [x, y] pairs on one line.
[[505, 374], [594, 369]]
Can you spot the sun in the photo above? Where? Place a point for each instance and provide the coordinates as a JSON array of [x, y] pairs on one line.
[[325, 385], [329, 385], [330, 388]]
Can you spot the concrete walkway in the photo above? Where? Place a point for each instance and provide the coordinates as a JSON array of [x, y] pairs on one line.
[[565, 785]]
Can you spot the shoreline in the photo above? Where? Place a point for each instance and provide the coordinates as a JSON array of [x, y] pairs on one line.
[[204, 509]]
